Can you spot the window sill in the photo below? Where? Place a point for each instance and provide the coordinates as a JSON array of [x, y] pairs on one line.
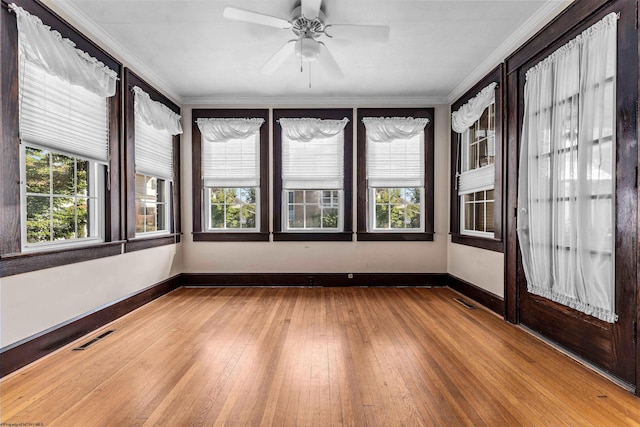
[[478, 242], [147, 242], [32, 261], [344, 236], [394, 237], [208, 236]]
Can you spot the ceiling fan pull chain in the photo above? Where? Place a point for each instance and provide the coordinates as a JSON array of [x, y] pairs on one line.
[[309, 75]]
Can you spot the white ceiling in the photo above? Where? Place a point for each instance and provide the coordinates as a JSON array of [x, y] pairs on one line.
[[436, 49]]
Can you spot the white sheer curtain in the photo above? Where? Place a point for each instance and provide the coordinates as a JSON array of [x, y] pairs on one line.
[[307, 129], [566, 189], [312, 153], [58, 56], [471, 111], [395, 151], [155, 113], [230, 151]]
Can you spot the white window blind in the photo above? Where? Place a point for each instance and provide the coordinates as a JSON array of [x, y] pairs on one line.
[[395, 151], [312, 153], [155, 125], [230, 152], [476, 180], [315, 164], [65, 118], [63, 92]]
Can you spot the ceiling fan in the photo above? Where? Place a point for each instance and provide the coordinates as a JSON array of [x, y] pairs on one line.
[[307, 22]]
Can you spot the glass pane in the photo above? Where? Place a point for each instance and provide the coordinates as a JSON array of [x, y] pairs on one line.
[[150, 217], [413, 216], [217, 216], [382, 216], [395, 196], [83, 218], [298, 196], [161, 191], [314, 218], [62, 173], [161, 219], [247, 195], [330, 218], [312, 196], [479, 217], [64, 218], [82, 169], [489, 218], [38, 219], [468, 216], [398, 217], [248, 216], [296, 216], [382, 195], [217, 195], [413, 195], [473, 156], [151, 189], [233, 216], [140, 215], [490, 195], [483, 157], [37, 167]]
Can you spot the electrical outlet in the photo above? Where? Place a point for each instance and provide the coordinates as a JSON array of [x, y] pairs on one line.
[[350, 276]]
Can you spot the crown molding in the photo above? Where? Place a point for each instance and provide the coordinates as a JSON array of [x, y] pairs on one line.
[[318, 101], [534, 24], [89, 28]]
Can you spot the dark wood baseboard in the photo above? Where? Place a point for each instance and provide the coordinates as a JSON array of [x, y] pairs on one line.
[[17, 356], [314, 279], [489, 300]]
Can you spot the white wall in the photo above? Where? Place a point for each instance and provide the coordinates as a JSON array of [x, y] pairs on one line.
[[33, 302], [481, 267], [323, 257]]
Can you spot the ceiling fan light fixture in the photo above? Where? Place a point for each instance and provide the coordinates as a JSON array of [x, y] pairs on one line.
[[308, 49]]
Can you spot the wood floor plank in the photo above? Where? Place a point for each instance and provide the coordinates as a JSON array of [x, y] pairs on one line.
[[313, 357]]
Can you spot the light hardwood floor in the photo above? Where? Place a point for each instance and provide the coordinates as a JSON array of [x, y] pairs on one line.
[[313, 357]]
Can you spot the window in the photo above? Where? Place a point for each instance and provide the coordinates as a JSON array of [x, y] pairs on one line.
[[395, 174], [230, 161], [62, 200], [477, 179], [152, 147], [60, 197], [476, 165], [312, 199]]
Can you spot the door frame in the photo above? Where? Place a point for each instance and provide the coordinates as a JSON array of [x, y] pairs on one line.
[[563, 28]]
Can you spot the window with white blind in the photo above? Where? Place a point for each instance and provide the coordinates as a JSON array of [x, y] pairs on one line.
[[155, 126], [64, 135], [312, 179], [312, 174], [477, 177], [395, 174], [231, 173]]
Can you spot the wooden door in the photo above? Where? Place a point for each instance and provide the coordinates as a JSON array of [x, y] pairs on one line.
[[611, 347]]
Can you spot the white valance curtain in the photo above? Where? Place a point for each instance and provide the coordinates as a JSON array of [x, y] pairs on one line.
[[395, 151], [155, 125], [312, 153], [470, 112], [63, 93], [566, 189], [482, 178], [230, 151]]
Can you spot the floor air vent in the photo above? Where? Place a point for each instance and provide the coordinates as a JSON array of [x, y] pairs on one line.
[[463, 302], [93, 341]]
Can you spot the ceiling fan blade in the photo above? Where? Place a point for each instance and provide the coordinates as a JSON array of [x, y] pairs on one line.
[[327, 62], [375, 33], [311, 8], [237, 14], [279, 57]]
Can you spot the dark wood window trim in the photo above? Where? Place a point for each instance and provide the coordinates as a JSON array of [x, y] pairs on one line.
[[199, 233], [346, 235], [12, 261], [495, 243], [143, 242], [363, 234]]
